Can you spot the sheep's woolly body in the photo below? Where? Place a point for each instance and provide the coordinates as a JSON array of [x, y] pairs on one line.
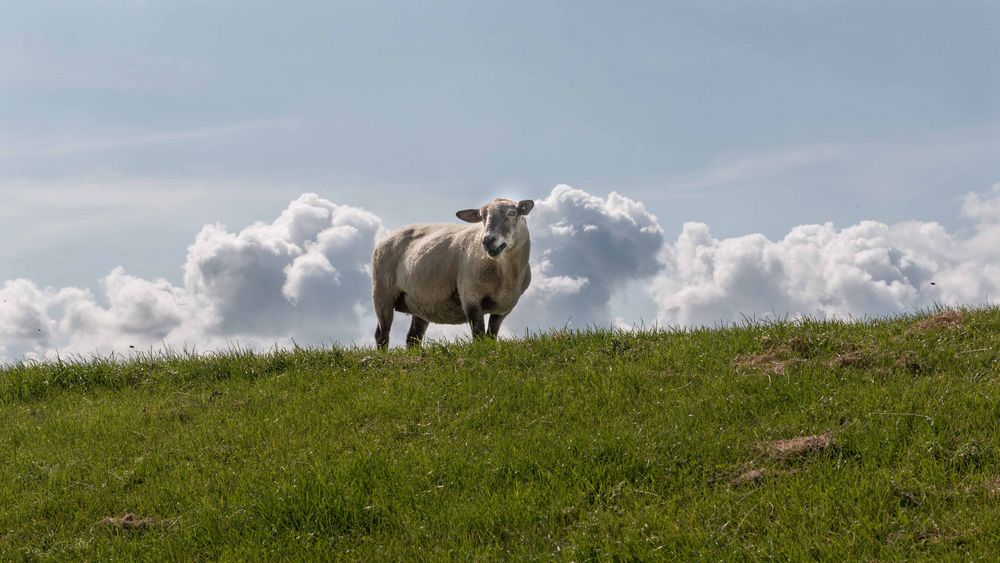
[[440, 273]]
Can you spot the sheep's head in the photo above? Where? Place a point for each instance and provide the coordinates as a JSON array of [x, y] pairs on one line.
[[500, 219]]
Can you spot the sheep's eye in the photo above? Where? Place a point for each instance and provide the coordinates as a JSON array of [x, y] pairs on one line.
[[511, 213]]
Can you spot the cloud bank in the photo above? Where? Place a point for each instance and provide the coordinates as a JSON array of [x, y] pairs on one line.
[[584, 249], [817, 270], [304, 277]]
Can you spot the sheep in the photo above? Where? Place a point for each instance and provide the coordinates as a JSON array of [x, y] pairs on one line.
[[452, 274]]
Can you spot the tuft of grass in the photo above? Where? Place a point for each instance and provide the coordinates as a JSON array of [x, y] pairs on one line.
[[875, 439]]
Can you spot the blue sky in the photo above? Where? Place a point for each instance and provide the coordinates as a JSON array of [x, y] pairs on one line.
[[127, 126]]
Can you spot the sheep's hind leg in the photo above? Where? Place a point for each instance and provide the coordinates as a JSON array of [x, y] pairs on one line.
[[415, 336], [384, 312], [382, 331], [494, 327]]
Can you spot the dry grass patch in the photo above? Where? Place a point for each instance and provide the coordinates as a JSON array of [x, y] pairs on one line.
[[130, 522], [801, 446], [749, 477], [931, 534], [850, 358], [944, 320], [992, 487], [774, 361], [777, 356]]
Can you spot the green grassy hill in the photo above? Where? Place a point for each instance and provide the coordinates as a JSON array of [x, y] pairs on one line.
[[873, 440]]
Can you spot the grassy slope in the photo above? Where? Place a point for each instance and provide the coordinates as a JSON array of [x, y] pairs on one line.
[[579, 446]]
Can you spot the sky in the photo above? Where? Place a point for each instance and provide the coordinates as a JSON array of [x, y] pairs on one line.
[[829, 158]]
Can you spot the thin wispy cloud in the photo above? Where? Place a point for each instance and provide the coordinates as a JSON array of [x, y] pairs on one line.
[[752, 167], [37, 215], [98, 142], [881, 169], [153, 194]]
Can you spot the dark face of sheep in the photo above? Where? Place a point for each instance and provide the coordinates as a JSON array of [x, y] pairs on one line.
[[500, 218]]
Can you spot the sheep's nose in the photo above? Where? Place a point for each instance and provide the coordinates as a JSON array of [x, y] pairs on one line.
[[489, 240]]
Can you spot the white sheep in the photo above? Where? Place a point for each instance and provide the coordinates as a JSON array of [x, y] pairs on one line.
[[452, 274]]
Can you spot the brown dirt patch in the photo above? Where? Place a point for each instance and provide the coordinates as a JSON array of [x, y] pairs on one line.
[[130, 522], [940, 321], [749, 477], [801, 446]]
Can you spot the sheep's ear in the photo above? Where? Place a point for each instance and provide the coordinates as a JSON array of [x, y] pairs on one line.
[[525, 206], [470, 215]]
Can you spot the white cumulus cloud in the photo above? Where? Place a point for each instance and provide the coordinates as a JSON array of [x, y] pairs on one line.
[[302, 277], [305, 277], [818, 270], [584, 249]]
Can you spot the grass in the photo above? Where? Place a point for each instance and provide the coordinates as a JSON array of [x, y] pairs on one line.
[[581, 446]]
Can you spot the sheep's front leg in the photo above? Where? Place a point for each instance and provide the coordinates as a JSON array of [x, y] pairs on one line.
[[494, 327], [474, 314]]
